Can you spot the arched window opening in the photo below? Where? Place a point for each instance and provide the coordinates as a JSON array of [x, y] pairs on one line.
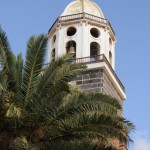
[[110, 58], [110, 43], [95, 32], [54, 39], [71, 47], [94, 51], [71, 31], [53, 54]]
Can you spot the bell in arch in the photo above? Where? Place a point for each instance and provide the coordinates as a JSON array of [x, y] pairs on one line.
[[72, 49]]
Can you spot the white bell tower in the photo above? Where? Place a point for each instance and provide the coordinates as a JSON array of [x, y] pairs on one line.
[[82, 29], [82, 26]]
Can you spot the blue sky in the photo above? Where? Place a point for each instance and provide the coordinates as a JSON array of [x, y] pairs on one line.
[[131, 22]]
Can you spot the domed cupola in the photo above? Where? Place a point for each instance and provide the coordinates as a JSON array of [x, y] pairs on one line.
[[83, 6]]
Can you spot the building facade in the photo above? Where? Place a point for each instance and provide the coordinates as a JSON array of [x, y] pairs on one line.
[[82, 29]]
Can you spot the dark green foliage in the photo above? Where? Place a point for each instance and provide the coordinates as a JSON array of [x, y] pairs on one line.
[[40, 111]]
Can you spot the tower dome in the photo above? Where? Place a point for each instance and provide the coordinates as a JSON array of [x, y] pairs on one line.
[[80, 6]]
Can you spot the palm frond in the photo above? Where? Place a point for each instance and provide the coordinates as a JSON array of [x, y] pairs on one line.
[[34, 63], [85, 103], [96, 127], [7, 59], [58, 72], [53, 81], [18, 78]]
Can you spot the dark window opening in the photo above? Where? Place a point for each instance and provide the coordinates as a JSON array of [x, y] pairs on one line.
[[95, 32], [110, 58], [54, 39], [53, 54], [94, 51], [71, 31]]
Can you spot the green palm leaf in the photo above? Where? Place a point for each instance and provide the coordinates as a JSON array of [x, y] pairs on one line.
[[7, 59], [34, 62]]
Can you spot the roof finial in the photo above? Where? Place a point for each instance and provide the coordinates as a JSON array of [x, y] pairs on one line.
[[83, 1], [82, 5]]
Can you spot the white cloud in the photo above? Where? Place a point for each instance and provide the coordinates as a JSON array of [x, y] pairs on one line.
[[142, 142]]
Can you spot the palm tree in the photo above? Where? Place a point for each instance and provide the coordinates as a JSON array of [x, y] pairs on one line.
[[40, 111]]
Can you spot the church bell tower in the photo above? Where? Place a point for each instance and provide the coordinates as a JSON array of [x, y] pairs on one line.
[[83, 30]]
